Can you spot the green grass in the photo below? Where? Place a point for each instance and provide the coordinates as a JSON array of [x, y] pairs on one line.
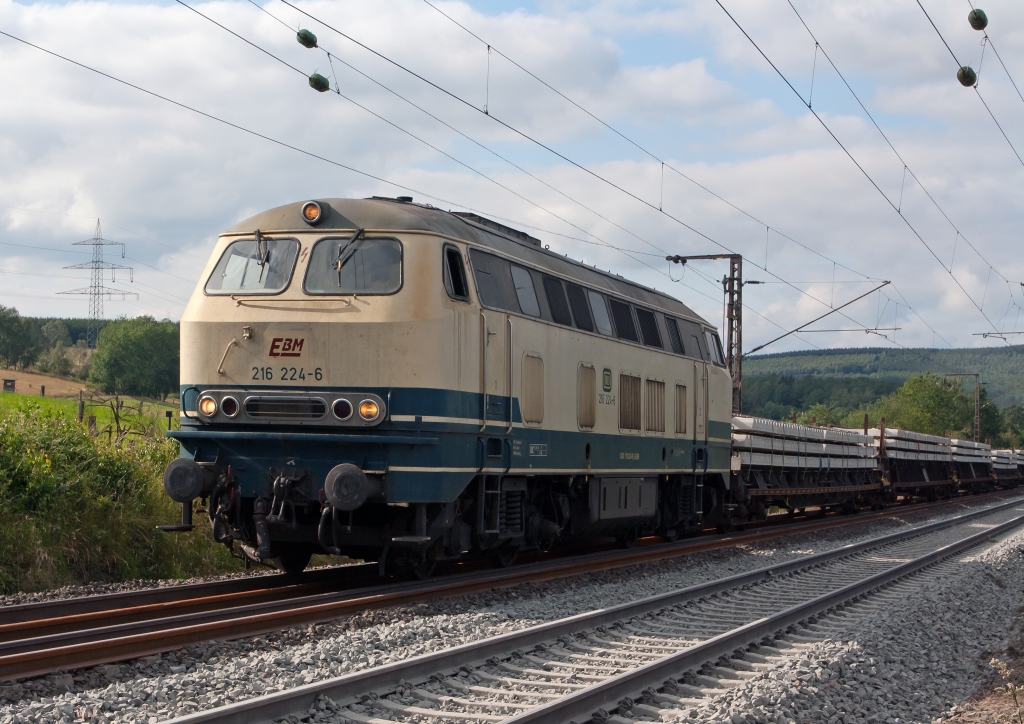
[[68, 408], [79, 508]]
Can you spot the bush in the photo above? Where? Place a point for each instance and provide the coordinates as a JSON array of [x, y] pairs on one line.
[[78, 509]]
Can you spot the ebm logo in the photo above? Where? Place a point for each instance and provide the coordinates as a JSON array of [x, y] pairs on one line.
[[286, 347]]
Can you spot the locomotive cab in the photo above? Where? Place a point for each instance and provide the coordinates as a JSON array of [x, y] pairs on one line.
[[387, 381]]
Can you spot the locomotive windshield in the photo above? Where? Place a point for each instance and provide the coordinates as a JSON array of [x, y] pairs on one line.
[[254, 266], [354, 266]]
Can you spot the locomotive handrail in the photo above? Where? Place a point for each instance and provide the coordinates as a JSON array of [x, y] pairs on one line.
[[183, 407], [511, 362], [299, 437], [483, 369]]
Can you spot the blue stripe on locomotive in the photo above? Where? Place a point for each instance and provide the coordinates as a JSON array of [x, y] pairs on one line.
[[433, 461]]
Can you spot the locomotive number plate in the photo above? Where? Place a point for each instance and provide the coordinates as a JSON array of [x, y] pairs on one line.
[[289, 356]]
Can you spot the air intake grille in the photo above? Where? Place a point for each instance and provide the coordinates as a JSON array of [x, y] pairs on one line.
[[285, 408]]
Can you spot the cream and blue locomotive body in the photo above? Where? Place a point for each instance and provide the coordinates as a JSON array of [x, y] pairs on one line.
[[390, 381]]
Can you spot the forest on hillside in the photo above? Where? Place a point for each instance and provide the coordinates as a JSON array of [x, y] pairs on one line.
[[842, 373]]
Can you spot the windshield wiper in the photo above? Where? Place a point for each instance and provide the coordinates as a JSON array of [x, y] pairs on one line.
[[262, 253], [342, 259]]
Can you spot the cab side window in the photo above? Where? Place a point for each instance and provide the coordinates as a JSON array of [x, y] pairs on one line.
[[556, 301], [455, 275]]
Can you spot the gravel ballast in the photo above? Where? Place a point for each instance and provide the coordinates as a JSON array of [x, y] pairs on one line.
[[887, 666], [199, 677]]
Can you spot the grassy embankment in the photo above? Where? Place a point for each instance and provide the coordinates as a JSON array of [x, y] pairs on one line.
[[78, 508]]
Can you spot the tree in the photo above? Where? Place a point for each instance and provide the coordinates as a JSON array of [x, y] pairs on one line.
[[54, 333], [15, 339], [925, 403], [136, 357]]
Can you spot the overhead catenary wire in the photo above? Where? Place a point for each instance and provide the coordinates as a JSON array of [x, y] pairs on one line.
[[419, 139], [849, 154], [642, 148], [978, 92], [257, 134], [466, 165], [294, 148], [548, 148], [659, 207]]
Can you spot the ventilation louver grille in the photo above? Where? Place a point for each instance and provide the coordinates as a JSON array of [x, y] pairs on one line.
[[285, 408]]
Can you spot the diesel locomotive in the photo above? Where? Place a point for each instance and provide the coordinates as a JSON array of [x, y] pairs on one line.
[[389, 381]]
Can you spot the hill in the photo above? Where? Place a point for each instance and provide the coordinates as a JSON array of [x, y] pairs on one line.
[[1001, 368]]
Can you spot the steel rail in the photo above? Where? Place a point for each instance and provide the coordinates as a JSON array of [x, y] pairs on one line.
[[103, 602], [351, 686], [606, 695], [101, 644], [138, 600]]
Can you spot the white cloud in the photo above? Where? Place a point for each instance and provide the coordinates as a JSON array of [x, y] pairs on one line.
[[678, 77]]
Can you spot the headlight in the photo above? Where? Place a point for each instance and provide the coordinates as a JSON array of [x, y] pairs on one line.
[[312, 213], [208, 406], [342, 409], [228, 405], [368, 410]]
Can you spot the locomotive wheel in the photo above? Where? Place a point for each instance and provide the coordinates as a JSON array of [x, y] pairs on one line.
[[424, 569], [506, 556], [293, 559], [626, 539]]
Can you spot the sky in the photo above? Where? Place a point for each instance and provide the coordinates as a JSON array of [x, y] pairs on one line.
[[617, 131]]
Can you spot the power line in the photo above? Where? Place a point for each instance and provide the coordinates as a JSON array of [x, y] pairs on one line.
[[248, 131], [885, 137], [295, 148], [548, 148], [959, 65], [850, 155], [524, 135], [665, 163]]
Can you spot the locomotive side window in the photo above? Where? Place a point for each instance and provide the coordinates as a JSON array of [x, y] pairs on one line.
[[525, 292], [692, 336], [580, 310], [715, 345], [623, 317], [365, 265], [649, 328], [556, 301], [455, 275], [254, 266], [494, 281], [601, 318], [673, 336]]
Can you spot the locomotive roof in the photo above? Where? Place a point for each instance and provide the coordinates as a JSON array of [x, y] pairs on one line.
[[399, 215]]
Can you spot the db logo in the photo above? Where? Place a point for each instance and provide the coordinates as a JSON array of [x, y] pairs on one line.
[[286, 347]]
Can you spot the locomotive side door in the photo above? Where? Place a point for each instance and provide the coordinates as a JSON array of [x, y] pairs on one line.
[[700, 406], [496, 370]]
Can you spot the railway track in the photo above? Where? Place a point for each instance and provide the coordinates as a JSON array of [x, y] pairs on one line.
[[71, 633], [635, 660]]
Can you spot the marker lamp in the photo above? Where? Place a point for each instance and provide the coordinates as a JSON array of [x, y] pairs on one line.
[[312, 212], [368, 410]]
